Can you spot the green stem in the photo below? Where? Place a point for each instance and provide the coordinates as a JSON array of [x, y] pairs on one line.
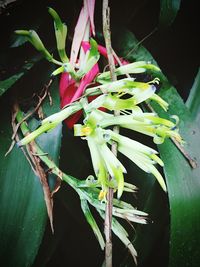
[[56, 62], [48, 162]]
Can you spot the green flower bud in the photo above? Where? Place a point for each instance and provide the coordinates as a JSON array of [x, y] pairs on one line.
[[50, 123], [160, 101], [91, 58], [33, 37], [132, 68], [61, 34]]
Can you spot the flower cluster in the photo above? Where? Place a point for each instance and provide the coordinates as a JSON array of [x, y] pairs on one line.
[[100, 139], [124, 95], [84, 91]]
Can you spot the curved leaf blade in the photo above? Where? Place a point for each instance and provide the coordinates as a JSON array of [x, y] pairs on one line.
[[168, 12], [182, 181], [193, 101], [183, 186], [23, 213]]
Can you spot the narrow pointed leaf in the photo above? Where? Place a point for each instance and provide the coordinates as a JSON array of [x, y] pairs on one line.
[[90, 219]]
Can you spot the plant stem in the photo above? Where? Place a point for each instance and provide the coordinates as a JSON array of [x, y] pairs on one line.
[[109, 204]]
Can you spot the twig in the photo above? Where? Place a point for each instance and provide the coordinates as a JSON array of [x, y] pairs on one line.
[[107, 37], [35, 162], [41, 99], [16, 128], [140, 42], [109, 204], [13, 123], [190, 160], [43, 179]]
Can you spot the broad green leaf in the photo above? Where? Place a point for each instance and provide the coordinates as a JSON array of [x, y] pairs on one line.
[[183, 186], [182, 180], [128, 47], [193, 101], [23, 213], [168, 11]]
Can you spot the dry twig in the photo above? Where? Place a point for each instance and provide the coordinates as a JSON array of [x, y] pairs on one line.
[[41, 99], [35, 162], [109, 204]]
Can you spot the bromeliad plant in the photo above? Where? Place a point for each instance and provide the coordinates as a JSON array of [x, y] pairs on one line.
[[96, 104]]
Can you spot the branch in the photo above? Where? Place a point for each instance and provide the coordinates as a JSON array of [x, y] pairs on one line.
[[44, 93], [109, 204], [36, 164]]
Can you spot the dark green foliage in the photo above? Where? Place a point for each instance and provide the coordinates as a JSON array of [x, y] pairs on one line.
[[23, 214], [168, 11]]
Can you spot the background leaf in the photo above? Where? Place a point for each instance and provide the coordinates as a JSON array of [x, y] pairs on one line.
[[168, 11], [182, 181], [18, 40], [9, 82], [193, 101], [183, 186], [23, 212]]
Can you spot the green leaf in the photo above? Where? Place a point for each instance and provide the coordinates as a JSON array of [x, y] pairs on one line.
[[193, 101], [183, 186], [90, 219], [8, 83], [182, 180], [18, 41], [23, 213], [130, 48], [121, 233], [168, 12]]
